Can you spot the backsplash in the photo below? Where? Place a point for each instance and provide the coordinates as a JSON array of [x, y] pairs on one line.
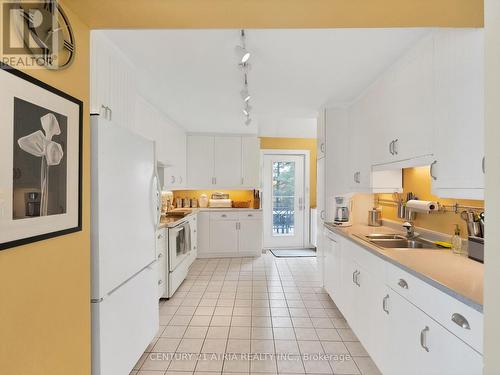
[[235, 195], [418, 181]]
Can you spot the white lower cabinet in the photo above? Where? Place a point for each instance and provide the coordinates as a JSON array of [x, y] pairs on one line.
[[161, 255], [400, 330], [419, 345], [231, 233], [224, 236]]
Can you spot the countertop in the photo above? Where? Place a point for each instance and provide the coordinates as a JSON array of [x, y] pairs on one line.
[[455, 275]]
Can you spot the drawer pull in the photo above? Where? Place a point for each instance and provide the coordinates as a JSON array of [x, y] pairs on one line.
[[403, 284], [223, 215], [459, 320], [160, 282], [160, 255], [250, 215], [423, 339], [384, 304]]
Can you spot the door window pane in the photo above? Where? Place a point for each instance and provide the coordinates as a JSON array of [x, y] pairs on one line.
[[283, 199]]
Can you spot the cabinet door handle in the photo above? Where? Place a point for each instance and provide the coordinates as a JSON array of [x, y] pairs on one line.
[[108, 113], [354, 277], [160, 255], [242, 181], [384, 304], [391, 144], [432, 170], [483, 166], [172, 179], [160, 282], [423, 338], [322, 215], [105, 111], [394, 148], [403, 284], [180, 179], [460, 321], [322, 147], [223, 215], [357, 279]]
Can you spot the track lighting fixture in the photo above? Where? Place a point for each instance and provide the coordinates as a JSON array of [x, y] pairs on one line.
[[244, 56]]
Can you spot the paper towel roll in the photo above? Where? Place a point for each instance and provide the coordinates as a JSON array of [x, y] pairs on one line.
[[422, 206]]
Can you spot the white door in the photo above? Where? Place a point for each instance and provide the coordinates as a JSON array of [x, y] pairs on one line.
[[200, 161], [223, 236], [227, 154], [284, 201], [250, 235], [250, 162]]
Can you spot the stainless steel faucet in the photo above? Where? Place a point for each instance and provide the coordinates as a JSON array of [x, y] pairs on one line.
[[410, 229]]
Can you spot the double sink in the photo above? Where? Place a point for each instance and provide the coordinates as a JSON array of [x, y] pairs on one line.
[[397, 241]]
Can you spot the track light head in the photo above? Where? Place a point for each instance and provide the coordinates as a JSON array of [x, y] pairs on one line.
[[245, 95], [243, 54]]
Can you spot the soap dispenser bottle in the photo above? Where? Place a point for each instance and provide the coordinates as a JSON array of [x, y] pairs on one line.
[[456, 241]]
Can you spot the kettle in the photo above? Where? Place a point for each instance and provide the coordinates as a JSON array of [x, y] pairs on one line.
[[375, 217]]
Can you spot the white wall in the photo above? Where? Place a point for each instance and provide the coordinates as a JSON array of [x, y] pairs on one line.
[[287, 127], [492, 195]]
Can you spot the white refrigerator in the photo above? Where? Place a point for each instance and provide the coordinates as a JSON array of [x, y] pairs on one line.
[[125, 211]]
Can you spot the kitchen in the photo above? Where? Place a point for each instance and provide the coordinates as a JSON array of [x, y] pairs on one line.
[[212, 185], [268, 202]]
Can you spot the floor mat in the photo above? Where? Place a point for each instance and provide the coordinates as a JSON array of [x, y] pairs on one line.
[[293, 253]]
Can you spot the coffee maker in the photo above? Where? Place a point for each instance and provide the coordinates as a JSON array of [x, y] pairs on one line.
[[343, 211]]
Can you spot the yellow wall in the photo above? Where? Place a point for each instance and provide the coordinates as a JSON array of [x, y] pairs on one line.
[[235, 195], [45, 286], [279, 13], [269, 143], [418, 181]]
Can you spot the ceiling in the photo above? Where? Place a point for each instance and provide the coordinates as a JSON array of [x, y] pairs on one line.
[[193, 75]]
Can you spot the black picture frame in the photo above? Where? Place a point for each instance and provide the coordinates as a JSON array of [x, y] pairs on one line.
[[57, 233]]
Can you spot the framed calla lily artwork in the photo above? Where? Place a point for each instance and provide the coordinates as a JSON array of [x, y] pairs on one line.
[[40, 160]]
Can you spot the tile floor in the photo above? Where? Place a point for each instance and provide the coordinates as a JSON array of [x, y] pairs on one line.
[[253, 315]]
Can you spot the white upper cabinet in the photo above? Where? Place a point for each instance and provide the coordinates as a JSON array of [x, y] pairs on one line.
[[250, 165], [200, 161], [321, 134], [112, 89], [223, 162], [459, 132], [227, 156], [413, 102], [337, 167], [398, 107], [170, 142], [359, 141]]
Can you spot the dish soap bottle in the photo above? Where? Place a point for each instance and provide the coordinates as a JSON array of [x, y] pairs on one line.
[[456, 241]]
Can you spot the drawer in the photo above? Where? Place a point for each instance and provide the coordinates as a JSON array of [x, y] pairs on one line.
[[161, 240], [458, 318], [224, 215], [249, 215]]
